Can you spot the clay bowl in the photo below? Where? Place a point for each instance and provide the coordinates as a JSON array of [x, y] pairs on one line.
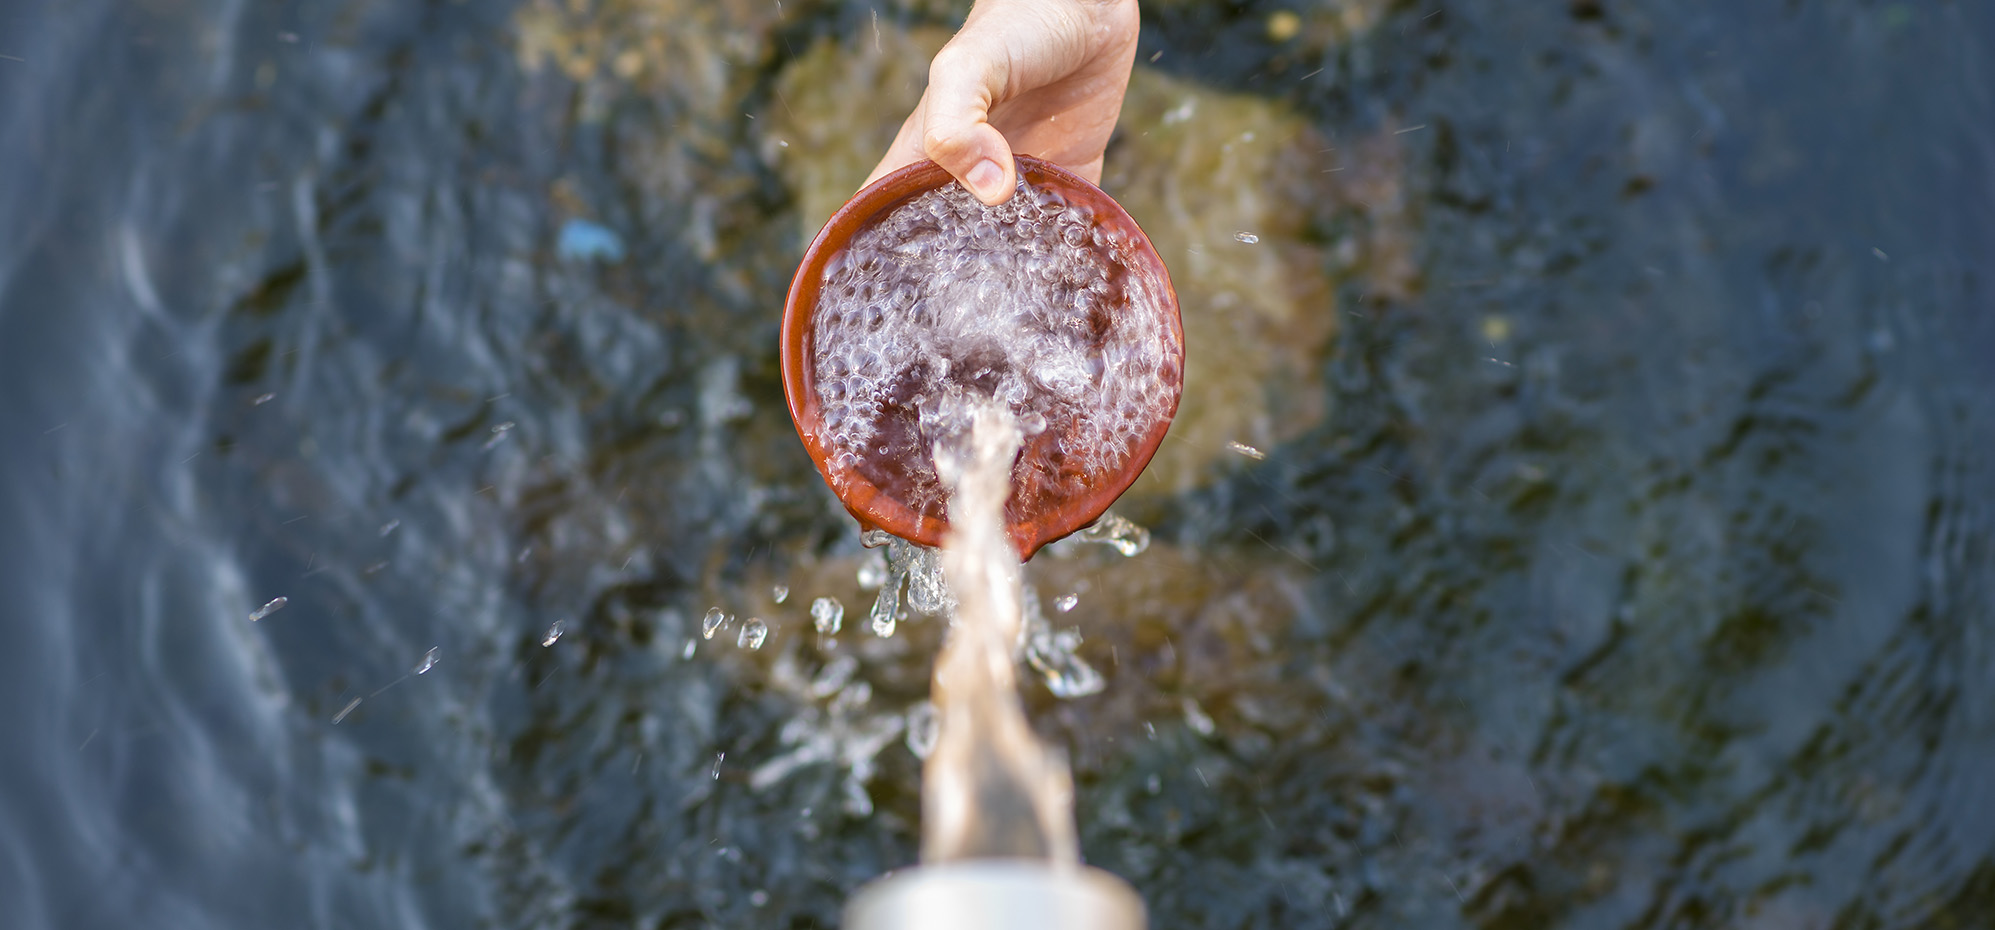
[[873, 489]]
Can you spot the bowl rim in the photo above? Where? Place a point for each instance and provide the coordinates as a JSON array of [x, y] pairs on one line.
[[872, 507]]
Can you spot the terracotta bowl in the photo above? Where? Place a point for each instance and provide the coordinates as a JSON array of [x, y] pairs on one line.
[[1033, 520]]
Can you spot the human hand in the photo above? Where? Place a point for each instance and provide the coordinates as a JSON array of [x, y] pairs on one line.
[[1045, 77]]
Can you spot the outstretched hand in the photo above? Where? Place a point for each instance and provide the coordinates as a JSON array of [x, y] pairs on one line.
[[1042, 77]]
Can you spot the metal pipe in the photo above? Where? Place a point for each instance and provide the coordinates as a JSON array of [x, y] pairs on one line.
[[996, 894]]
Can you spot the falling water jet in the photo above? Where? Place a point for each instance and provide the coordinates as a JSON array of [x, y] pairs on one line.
[[990, 788], [998, 846]]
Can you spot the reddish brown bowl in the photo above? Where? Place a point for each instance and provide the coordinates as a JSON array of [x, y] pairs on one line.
[[1033, 522]]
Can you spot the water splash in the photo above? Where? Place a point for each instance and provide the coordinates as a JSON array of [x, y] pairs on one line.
[[1119, 532], [836, 725], [1055, 654]]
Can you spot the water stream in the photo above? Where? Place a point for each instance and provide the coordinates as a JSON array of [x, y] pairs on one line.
[[991, 789]]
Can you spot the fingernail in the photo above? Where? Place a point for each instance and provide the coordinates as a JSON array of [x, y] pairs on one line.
[[986, 180]]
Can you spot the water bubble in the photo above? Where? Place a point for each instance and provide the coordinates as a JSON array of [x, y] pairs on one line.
[[553, 633], [1066, 602], [827, 614], [924, 728], [712, 622], [780, 592], [752, 634], [1247, 237], [428, 662], [1241, 448], [274, 605]]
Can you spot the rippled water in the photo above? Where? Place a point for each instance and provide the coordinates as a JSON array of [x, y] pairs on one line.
[[1617, 558]]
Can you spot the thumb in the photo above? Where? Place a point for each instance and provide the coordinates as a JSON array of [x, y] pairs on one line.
[[956, 131]]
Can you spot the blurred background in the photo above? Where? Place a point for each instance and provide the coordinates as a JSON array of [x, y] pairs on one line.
[[1579, 513]]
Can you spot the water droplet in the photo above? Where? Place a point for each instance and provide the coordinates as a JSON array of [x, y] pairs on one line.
[[718, 758], [389, 527], [828, 615], [1154, 783], [780, 592], [712, 622], [1066, 602], [758, 897], [752, 634], [262, 399], [554, 632], [692, 646], [350, 705], [1196, 718], [428, 662], [1247, 237], [276, 604], [1241, 448], [924, 727], [883, 625]]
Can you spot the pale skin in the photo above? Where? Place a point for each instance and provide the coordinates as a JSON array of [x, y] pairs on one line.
[[1034, 77]]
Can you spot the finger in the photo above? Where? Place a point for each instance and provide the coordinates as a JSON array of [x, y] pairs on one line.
[[956, 131]]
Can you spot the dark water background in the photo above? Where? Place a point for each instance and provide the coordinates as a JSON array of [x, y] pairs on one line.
[[1637, 574]]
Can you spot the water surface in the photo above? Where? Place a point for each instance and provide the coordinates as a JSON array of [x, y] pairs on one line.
[[1618, 556]]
